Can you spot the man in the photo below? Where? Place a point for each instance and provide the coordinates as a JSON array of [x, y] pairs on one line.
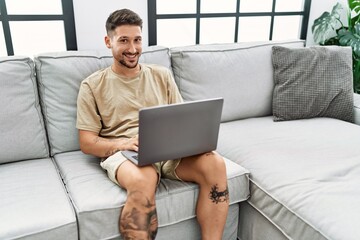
[[108, 105]]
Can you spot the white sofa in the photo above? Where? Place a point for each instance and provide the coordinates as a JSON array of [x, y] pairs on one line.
[[287, 180]]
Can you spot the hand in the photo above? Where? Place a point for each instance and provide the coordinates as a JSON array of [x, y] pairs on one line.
[[132, 143]]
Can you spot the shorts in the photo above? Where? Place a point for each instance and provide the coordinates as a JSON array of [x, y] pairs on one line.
[[165, 169]]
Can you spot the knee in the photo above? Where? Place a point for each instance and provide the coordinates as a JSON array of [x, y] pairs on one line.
[[212, 166], [143, 181]]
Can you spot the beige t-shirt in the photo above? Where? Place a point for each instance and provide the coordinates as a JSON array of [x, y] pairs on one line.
[[108, 103]]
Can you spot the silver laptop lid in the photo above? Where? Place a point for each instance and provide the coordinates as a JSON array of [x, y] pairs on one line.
[[178, 130]]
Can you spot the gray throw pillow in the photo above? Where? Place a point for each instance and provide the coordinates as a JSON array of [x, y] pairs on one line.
[[312, 82]]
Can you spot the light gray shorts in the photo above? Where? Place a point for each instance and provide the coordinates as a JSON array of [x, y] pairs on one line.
[[165, 169]]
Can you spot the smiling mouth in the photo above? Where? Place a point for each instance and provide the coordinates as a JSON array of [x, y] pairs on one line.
[[131, 55], [130, 60]]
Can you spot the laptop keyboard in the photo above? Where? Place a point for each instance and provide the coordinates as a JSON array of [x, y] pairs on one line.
[[135, 157]]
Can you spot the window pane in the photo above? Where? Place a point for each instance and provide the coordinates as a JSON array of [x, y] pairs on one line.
[[286, 27], [289, 6], [33, 37], [3, 51], [254, 29], [25, 7], [256, 6], [175, 6], [217, 30], [176, 32], [216, 6]]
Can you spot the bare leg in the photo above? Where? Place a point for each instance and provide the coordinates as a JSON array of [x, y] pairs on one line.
[[138, 218], [209, 171]]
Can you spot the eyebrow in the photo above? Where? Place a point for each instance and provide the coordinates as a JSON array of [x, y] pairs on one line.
[[126, 37]]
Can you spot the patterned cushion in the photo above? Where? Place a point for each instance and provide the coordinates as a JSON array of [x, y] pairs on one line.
[[312, 82]]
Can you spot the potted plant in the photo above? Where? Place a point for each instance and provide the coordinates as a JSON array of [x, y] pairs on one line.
[[328, 29]]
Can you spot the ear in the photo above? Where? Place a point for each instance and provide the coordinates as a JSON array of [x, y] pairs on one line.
[[107, 41]]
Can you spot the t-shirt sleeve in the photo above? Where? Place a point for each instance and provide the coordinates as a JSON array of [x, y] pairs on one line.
[[174, 95], [88, 117]]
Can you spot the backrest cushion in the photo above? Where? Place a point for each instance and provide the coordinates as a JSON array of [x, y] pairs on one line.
[[22, 128], [60, 75], [241, 73]]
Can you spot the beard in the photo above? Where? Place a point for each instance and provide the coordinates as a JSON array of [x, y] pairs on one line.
[[129, 64]]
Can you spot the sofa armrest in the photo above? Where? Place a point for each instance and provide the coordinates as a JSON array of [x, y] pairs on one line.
[[357, 108]]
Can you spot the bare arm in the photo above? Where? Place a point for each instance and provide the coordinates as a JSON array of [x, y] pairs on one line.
[[91, 143]]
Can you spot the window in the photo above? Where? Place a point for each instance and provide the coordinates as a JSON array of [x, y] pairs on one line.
[[187, 22], [30, 27]]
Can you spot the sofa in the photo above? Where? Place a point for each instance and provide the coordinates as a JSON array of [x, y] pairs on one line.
[[293, 179]]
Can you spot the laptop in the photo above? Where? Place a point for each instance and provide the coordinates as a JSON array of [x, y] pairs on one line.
[[177, 130]]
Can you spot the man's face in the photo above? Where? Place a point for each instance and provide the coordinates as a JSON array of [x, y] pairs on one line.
[[126, 45]]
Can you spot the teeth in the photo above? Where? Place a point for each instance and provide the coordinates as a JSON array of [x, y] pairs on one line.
[[130, 55]]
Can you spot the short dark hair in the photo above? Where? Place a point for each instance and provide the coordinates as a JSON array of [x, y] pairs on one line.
[[122, 17]]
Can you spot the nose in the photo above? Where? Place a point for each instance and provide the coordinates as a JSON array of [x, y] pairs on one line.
[[132, 47]]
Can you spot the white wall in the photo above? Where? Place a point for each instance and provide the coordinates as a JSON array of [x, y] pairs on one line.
[[91, 15], [317, 8]]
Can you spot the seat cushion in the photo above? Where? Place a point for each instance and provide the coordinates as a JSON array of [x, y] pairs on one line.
[[59, 76], [98, 201], [34, 203], [305, 174], [21, 124]]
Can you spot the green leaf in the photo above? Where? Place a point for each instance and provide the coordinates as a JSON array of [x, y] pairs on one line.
[[351, 38], [332, 41], [325, 26], [356, 74], [354, 5], [355, 20], [326, 31]]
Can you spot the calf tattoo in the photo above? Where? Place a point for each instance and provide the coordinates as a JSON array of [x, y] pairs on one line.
[[216, 196], [140, 222]]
